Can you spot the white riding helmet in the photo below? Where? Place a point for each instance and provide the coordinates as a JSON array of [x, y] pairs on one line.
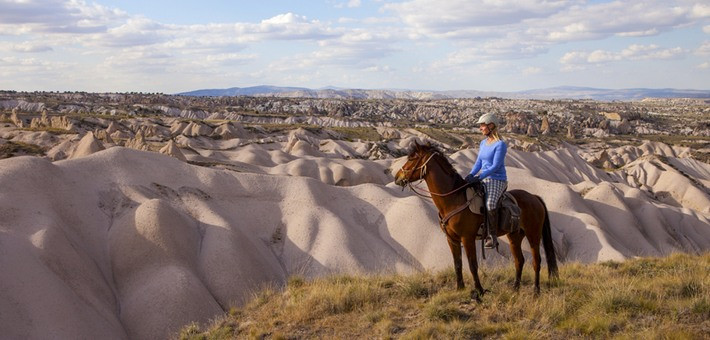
[[489, 118]]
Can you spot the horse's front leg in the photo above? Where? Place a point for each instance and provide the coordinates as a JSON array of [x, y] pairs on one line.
[[456, 252], [469, 244]]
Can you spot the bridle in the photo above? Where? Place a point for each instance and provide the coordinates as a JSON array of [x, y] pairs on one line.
[[423, 169]]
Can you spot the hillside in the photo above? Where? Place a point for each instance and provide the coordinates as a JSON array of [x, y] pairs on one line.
[[639, 298]]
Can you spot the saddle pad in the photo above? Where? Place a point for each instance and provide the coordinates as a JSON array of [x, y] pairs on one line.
[[476, 205]]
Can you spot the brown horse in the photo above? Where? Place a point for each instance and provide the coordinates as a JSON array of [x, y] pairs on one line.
[[446, 188]]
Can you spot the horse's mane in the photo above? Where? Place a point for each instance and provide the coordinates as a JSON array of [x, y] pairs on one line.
[[443, 160]]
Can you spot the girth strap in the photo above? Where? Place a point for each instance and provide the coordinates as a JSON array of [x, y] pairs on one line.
[[443, 221]]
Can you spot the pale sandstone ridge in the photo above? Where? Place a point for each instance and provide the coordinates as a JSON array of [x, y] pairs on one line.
[[87, 146], [184, 242], [171, 149]]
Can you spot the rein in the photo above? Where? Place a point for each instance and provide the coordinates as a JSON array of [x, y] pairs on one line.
[[443, 220], [435, 193], [423, 169]]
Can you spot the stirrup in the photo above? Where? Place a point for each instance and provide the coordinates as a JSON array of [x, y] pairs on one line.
[[490, 243]]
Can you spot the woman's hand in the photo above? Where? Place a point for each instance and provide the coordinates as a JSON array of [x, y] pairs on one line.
[[471, 178]]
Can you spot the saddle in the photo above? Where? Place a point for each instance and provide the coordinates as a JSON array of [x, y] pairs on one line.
[[509, 211]]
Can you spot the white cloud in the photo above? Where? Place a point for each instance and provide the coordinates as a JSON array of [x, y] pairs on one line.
[[573, 31], [449, 17], [633, 52], [528, 71], [30, 47], [134, 32], [704, 66], [29, 68], [230, 58], [701, 10], [704, 49], [504, 49], [540, 22], [574, 57], [56, 16], [284, 19], [349, 4], [641, 52], [706, 29], [646, 33], [600, 56]]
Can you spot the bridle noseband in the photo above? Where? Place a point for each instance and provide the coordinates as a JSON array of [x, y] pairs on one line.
[[422, 168]]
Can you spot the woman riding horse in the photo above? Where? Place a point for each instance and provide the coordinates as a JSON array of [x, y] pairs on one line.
[[460, 224], [491, 163]]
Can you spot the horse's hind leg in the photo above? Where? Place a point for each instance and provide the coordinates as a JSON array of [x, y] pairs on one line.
[[456, 252], [515, 240], [535, 250], [469, 244]]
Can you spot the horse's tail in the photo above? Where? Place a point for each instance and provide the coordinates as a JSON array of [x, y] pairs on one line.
[[548, 245]]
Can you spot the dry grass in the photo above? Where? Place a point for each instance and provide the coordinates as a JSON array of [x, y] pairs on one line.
[[55, 131], [442, 136], [357, 133], [652, 298], [12, 149]]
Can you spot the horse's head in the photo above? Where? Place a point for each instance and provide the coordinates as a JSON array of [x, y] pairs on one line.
[[415, 167]]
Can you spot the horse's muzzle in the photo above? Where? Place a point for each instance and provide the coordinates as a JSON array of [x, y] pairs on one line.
[[400, 180]]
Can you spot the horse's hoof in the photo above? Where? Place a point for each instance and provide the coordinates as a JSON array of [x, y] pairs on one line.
[[476, 296]]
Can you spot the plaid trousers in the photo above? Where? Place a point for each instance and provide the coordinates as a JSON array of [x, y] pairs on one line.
[[494, 190]]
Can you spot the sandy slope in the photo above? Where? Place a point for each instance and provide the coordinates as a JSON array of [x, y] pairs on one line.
[[124, 243]]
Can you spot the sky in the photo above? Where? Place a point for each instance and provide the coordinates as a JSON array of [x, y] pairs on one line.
[[487, 45]]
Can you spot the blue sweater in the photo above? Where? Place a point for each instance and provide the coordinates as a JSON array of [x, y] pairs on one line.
[[491, 158]]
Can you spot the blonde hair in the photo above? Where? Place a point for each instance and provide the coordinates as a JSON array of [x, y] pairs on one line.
[[494, 133]]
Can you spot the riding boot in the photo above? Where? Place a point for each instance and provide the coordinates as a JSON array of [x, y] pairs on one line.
[[492, 240]]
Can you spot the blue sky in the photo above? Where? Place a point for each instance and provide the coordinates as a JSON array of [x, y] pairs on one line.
[[505, 45]]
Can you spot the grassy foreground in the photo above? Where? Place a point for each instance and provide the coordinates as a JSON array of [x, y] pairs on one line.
[[649, 298]]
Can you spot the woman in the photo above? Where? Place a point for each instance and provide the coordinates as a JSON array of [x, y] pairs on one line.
[[491, 163]]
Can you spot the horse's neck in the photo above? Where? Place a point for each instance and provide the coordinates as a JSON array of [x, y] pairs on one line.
[[441, 183]]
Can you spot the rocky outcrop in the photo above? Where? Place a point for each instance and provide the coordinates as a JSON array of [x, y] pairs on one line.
[[87, 146], [171, 149], [15, 119], [138, 143]]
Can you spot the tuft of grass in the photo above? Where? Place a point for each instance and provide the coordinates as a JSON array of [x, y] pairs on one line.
[[638, 298], [52, 130], [11, 149], [355, 133], [442, 136]]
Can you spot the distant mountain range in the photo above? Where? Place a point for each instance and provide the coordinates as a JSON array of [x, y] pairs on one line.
[[560, 92]]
